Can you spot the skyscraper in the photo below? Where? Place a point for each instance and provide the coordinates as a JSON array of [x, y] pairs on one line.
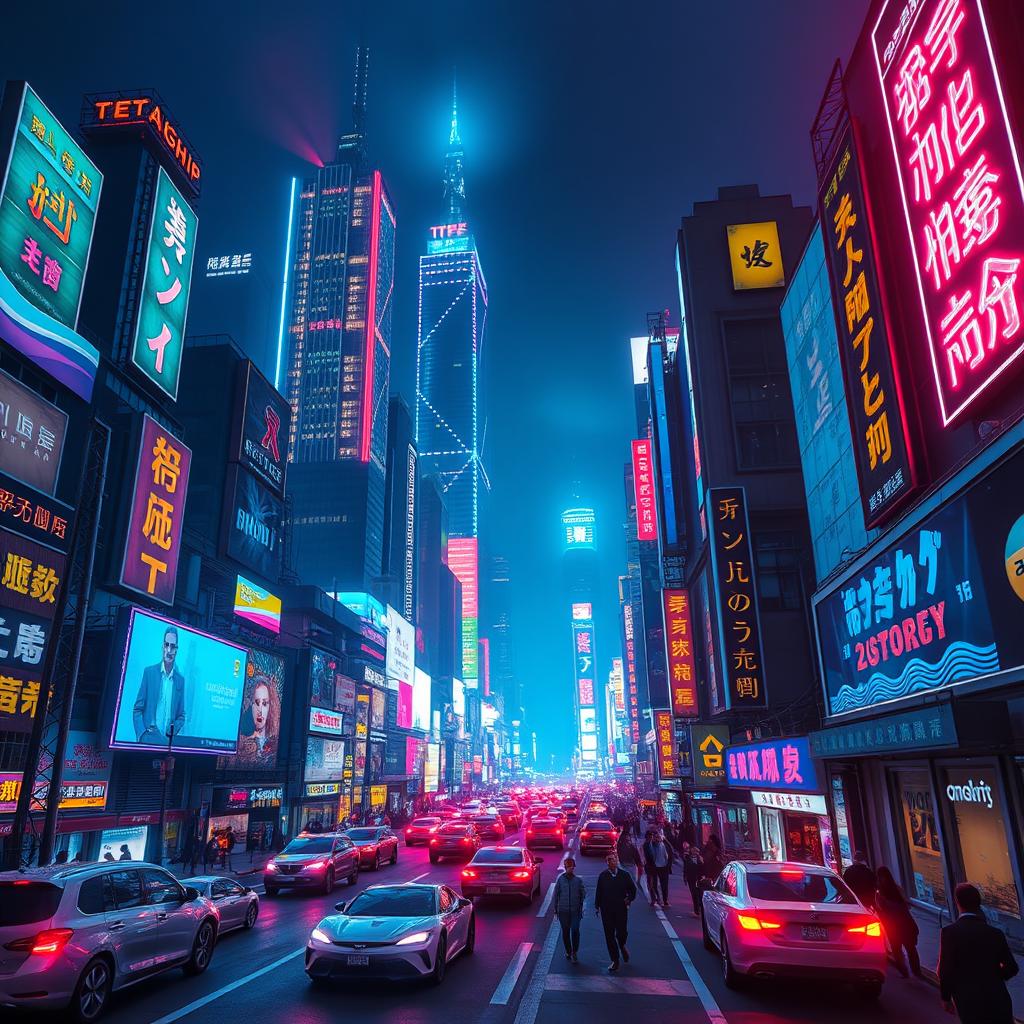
[[449, 418], [339, 331]]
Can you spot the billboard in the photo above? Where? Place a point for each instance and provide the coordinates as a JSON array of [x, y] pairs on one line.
[[153, 542], [578, 526], [176, 677], [881, 446], [325, 759], [421, 701], [736, 592], [432, 768], [163, 301], [583, 662], [262, 419], [682, 664], [400, 662], [755, 255], [773, 764], [327, 723], [462, 560], [256, 605], [582, 611], [664, 732], [31, 436], [643, 490], [707, 752], [252, 523], [86, 778], [259, 725], [34, 516], [962, 190]]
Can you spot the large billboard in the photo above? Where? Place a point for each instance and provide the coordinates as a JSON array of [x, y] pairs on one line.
[[421, 701], [153, 543], [961, 186], [462, 560], [256, 605], [262, 418], [400, 663], [578, 527], [583, 662], [163, 301], [643, 490], [325, 759], [178, 687], [682, 663], [31, 436], [253, 517], [259, 727]]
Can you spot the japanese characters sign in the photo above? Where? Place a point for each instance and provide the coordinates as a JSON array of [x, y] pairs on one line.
[[31, 435], [262, 423], [930, 727], [772, 764], [682, 666], [664, 729], [643, 489], [880, 445], [19, 694], [707, 752], [158, 509], [583, 653], [235, 265], [632, 691], [755, 256], [30, 514], [736, 593], [163, 301], [30, 575], [804, 803], [962, 189]]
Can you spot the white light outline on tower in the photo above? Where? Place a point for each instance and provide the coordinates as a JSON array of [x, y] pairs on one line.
[[284, 285]]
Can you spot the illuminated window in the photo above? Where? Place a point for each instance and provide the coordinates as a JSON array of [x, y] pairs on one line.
[[777, 557]]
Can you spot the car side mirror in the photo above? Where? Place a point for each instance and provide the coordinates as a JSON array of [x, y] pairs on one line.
[[463, 902], [191, 893], [340, 907]]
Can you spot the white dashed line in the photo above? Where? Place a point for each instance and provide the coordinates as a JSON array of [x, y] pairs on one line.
[[707, 1000], [507, 985]]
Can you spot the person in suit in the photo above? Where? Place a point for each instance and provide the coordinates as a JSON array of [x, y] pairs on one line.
[[160, 704], [615, 891], [975, 963]]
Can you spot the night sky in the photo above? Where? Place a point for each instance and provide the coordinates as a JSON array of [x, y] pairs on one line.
[[589, 130]]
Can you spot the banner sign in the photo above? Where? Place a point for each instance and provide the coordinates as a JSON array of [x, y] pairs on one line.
[[664, 728], [682, 665], [34, 516], [931, 727], [707, 752], [772, 764], [262, 421], [256, 605], [643, 490]]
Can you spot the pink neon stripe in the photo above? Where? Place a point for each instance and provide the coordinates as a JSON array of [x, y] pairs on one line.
[[371, 323]]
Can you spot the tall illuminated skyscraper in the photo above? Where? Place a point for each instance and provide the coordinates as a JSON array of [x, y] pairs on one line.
[[449, 417], [338, 315]]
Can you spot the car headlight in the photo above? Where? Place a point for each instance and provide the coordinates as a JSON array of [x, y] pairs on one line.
[[414, 938], [320, 935]]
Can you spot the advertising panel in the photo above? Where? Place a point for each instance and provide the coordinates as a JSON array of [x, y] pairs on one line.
[[259, 726], [362, 712], [404, 716], [962, 189], [325, 759], [755, 255], [153, 543], [378, 703], [31, 436], [583, 654], [432, 768], [578, 525], [707, 752], [252, 524], [664, 729], [421, 701], [326, 723], [256, 605], [176, 677], [582, 611], [772, 764], [262, 421], [163, 302], [881, 447], [923, 728], [85, 783], [34, 516], [682, 665], [462, 560], [400, 662], [643, 491], [736, 591]]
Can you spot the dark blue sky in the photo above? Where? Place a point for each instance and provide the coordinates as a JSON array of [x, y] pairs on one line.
[[589, 130]]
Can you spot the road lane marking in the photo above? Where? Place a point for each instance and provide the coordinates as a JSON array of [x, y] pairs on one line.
[[507, 985], [418, 877], [707, 1000], [198, 1004], [547, 900], [619, 985], [529, 1005]]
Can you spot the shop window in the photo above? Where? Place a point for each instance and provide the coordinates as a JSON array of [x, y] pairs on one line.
[[772, 847], [849, 821], [925, 878], [777, 557]]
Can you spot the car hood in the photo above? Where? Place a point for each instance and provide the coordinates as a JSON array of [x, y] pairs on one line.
[[343, 928], [300, 858]]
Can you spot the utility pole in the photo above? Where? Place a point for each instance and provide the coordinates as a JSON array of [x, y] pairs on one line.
[[166, 768]]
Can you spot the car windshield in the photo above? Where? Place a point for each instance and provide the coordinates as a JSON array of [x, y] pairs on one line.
[[308, 844], [397, 902], [426, 822], [27, 902], [485, 819], [797, 887], [361, 835], [453, 830], [599, 826], [498, 857]]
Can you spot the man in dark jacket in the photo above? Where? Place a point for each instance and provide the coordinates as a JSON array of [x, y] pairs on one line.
[[658, 859], [861, 879], [975, 963], [615, 891], [570, 894]]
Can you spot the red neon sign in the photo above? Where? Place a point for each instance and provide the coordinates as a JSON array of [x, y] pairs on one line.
[[961, 186], [682, 667], [665, 738], [643, 489]]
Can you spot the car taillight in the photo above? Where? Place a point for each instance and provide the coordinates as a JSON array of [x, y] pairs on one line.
[[584, 835], [872, 929], [756, 924], [408, 831], [468, 874], [53, 940], [529, 831], [465, 840], [434, 842], [519, 875], [271, 866]]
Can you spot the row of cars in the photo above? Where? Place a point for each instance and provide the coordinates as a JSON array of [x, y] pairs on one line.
[[320, 860]]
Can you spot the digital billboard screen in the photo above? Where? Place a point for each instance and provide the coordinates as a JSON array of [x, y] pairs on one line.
[[177, 678], [261, 423], [252, 524], [31, 436], [256, 605], [259, 726], [421, 701], [325, 759]]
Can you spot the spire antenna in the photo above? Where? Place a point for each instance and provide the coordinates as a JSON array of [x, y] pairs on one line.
[[360, 89]]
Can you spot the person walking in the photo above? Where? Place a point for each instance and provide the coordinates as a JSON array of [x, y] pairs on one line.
[[615, 891], [658, 859], [712, 857], [693, 871], [861, 879], [229, 847], [570, 896], [975, 964], [893, 909]]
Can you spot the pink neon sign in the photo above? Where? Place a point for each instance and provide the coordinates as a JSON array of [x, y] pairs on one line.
[[961, 185], [643, 488]]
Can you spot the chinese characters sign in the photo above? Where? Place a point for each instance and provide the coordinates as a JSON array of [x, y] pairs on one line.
[[755, 256], [962, 190], [631, 687], [682, 668], [158, 508], [668, 767], [31, 435], [163, 301], [772, 764], [921, 728], [643, 489], [880, 446], [34, 516], [263, 421], [583, 653], [740, 632], [237, 264]]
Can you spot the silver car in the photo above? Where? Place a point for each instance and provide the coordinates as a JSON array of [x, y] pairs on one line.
[[71, 934], [392, 931], [239, 906]]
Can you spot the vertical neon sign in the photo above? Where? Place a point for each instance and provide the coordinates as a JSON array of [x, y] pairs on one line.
[[643, 489], [371, 321]]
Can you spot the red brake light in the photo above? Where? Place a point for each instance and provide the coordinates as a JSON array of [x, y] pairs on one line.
[[466, 839], [518, 875], [468, 874], [434, 842], [756, 924], [872, 929], [791, 873], [408, 831], [529, 831], [53, 940]]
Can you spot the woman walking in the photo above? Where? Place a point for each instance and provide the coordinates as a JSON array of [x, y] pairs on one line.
[[900, 927]]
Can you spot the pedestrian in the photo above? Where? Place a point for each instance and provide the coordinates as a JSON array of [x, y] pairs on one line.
[[901, 929], [861, 879], [211, 851], [615, 892], [570, 895], [712, 858], [126, 854], [693, 871], [229, 847], [657, 857], [61, 858], [975, 963]]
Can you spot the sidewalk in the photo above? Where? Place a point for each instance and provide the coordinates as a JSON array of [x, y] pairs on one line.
[[243, 866]]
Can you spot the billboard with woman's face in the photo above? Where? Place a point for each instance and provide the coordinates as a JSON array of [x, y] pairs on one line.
[[259, 728]]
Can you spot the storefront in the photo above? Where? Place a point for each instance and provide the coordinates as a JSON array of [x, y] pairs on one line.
[[320, 810], [251, 813], [728, 814]]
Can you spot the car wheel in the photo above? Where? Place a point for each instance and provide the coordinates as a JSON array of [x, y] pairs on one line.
[[870, 991], [92, 991], [394, 855], [433, 859], [250, 915], [202, 948], [376, 862], [729, 973], [329, 882], [354, 877], [706, 935], [471, 936], [441, 964]]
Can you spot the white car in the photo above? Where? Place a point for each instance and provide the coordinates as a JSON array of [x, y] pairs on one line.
[[768, 919], [395, 932]]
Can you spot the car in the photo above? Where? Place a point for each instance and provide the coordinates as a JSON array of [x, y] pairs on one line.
[[598, 835], [395, 932], [454, 839], [571, 809], [511, 816], [239, 906], [313, 861], [419, 830], [377, 845], [448, 812], [471, 807], [770, 919], [545, 832], [490, 826], [502, 871], [130, 921]]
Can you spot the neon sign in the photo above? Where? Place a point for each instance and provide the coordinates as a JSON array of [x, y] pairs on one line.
[[449, 230], [961, 186], [643, 489], [682, 665]]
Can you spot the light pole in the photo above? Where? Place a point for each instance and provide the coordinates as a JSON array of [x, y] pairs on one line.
[[166, 767]]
